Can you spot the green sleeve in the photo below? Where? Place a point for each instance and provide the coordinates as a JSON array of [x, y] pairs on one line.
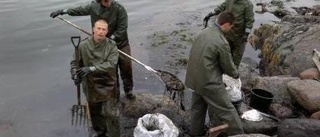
[[221, 7], [226, 63], [110, 61], [122, 25], [79, 11], [249, 16]]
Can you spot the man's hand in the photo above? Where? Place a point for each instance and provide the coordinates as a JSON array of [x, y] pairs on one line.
[[246, 35], [77, 81], [206, 18], [84, 71], [57, 13]]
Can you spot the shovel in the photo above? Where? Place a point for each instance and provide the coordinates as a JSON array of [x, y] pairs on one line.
[[79, 110]]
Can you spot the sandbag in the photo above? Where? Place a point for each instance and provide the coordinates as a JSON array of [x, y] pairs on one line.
[[155, 125], [233, 87]]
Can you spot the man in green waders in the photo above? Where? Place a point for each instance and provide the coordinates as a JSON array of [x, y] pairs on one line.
[[244, 19], [116, 16], [98, 57], [209, 58]]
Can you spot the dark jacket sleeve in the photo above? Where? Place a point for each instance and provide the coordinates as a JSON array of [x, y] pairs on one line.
[[221, 7], [122, 25], [226, 63], [79, 11], [249, 16]]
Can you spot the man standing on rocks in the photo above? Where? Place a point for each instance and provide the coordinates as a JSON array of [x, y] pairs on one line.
[[116, 16], [209, 58], [98, 57], [244, 19]]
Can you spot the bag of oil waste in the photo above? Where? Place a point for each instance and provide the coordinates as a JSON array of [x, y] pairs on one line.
[[233, 86], [155, 125]]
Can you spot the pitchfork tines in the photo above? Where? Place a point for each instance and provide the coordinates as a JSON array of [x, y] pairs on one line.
[[79, 115]]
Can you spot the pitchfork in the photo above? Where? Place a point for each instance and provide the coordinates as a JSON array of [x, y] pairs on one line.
[[78, 111]]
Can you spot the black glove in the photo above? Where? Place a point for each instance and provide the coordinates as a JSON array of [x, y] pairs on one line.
[[57, 13], [77, 81], [206, 18], [84, 71], [245, 36]]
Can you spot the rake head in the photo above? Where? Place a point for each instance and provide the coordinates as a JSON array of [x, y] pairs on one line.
[[79, 115]]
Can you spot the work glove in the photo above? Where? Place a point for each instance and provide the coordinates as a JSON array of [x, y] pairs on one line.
[[77, 81], [84, 71], [57, 13], [246, 35], [206, 18]]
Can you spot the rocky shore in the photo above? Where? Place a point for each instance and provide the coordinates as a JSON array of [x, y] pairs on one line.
[[286, 69]]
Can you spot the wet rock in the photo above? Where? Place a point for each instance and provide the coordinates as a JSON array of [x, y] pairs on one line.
[[250, 135], [277, 86], [316, 115], [247, 75], [145, 103], [299, 128], [266, 126], [281, 111], [286, 48], [306, 93], [310, 73], [315, 10]]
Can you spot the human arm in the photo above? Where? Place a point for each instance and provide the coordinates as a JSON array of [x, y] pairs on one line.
[[120, 33], [226, 62], [110, 59], [74, 66], [249, 20], [77, 11]]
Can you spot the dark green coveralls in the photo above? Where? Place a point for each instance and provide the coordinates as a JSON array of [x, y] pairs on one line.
[[117, 19], [100, 86], [244, 19], [210, 57]]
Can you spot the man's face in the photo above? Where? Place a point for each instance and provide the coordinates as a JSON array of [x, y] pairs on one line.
[[106, 3], [100, 31], [227, 27]]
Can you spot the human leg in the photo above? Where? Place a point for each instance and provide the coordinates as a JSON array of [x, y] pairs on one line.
[[112, 117], [237, 49], [198, 115], [97, 119], [125, 67], [220, 105]]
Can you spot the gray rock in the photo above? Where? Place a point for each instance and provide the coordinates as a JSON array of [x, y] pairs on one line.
[[286, 48], [299, 128], [277, 86], [145, 103], [250, 135], [306, 93]]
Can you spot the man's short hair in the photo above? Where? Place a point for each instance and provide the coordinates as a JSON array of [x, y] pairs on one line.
[[225, 17], [101, 20]]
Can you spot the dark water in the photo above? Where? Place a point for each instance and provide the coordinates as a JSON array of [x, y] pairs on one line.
[[36, 91]]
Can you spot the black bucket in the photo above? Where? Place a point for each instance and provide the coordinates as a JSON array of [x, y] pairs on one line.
[[260, 99]]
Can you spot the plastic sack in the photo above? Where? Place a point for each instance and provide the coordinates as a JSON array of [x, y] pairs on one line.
[[233, 87], [155, 125]]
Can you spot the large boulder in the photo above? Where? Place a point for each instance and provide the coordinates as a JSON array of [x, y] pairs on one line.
[[145, 103], [306, 93], [277, 86], [299, 128], [286, 48]]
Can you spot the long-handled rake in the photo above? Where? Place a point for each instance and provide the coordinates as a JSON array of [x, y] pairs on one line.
[[79, 111]]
